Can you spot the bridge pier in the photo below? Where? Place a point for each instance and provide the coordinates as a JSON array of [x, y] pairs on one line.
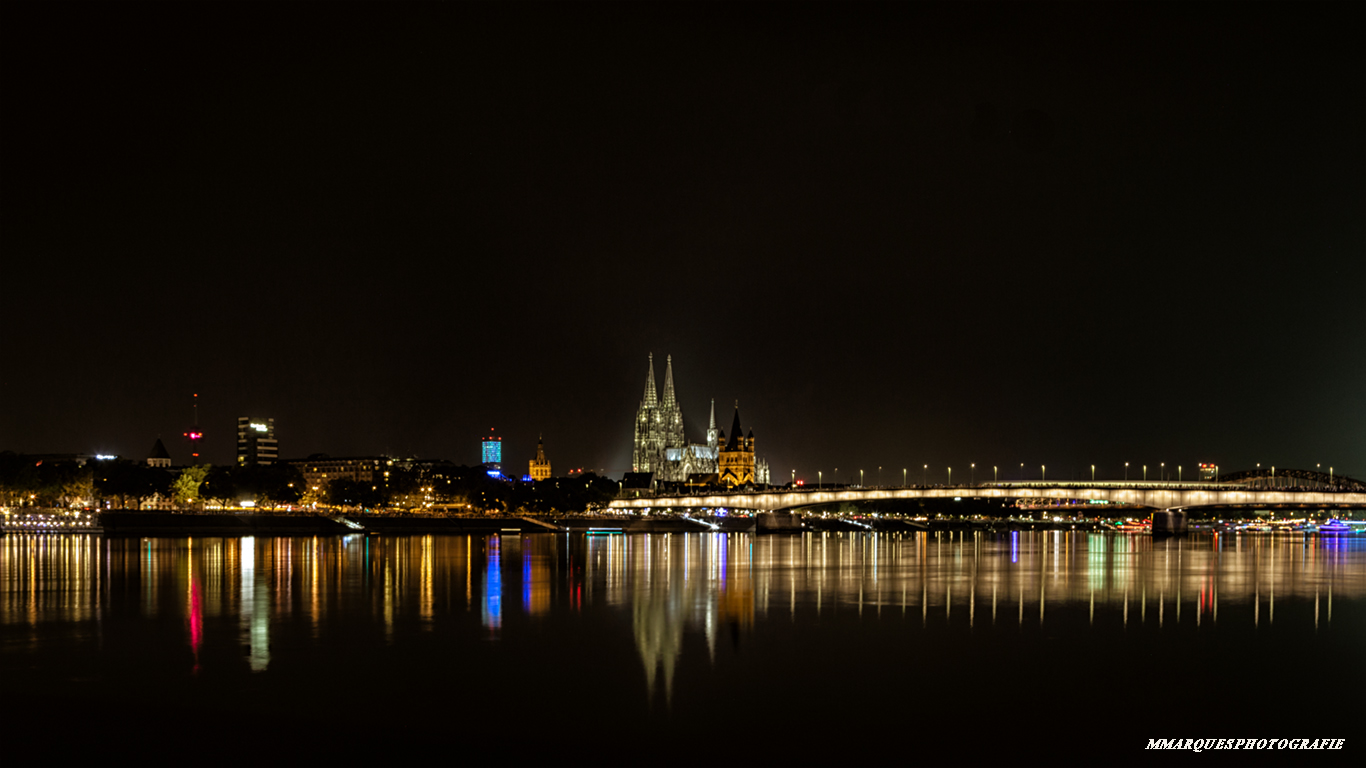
[[1170, 522], [778, 522]]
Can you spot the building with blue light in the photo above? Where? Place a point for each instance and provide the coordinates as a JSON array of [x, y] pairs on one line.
[[493, 451]]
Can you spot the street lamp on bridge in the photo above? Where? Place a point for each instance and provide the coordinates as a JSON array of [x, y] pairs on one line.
[[1145, 473], [994, 473], [924, 475], [1093, 473], [1126, 471], [1043, 473], [950, 475], [903, 477], [860, 478], [1163, 471], [972, 480], [819, 476]]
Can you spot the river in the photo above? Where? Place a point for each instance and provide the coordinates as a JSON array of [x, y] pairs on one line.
[[724, 649]]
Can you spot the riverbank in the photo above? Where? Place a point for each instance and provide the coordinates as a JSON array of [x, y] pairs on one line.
[[120, 523], [137, 523]]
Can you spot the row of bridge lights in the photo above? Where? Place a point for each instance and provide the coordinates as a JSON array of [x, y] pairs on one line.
[[1317, 467], [1043, 473]]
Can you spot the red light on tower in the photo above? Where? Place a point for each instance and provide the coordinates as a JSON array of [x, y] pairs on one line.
[[194, 435]]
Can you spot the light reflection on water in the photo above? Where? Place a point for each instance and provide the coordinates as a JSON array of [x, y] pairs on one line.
[[250, 607], [671, 581]]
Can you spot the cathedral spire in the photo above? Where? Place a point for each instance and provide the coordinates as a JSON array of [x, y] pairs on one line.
[[670, 401], [651, 399], [713, 434]]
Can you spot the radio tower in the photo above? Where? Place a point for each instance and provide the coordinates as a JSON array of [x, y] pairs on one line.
[[195, 435]]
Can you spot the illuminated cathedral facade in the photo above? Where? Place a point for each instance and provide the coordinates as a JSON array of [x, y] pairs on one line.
[[662, 449]]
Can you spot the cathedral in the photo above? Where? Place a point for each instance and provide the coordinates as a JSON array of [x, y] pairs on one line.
[[662, 449]]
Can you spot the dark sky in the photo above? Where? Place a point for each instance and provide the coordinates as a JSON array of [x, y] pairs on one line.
[[1049, 234]]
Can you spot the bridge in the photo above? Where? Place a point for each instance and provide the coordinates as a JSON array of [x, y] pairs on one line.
[[1174, 496], [1311, 478]]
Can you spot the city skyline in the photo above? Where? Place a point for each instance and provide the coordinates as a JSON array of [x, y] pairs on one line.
[[944, 234], [882, 475], [326, 326]]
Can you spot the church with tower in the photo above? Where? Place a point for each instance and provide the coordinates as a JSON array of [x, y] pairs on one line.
[[735, 462], [662, 450]]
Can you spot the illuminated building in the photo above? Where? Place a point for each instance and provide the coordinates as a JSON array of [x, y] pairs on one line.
[[256, 443], [493, 451], [159, 457], [320, 469], [540, 466], [660, 446], [735, 462], [659, 427]]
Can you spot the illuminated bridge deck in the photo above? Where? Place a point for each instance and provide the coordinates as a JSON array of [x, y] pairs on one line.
[[1161, 495]]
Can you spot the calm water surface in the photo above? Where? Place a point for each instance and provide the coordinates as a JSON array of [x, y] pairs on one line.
[[678, 649]]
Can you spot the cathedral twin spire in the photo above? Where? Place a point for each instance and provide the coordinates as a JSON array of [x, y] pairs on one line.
[[651, 399], [659, 426], [662, 450]]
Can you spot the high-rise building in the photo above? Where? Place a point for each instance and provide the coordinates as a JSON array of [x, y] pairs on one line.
[[540, 466], [256, 443], [493, 451]]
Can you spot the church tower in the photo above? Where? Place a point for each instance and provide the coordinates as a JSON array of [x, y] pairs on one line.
[[540, 466], [735, 459]]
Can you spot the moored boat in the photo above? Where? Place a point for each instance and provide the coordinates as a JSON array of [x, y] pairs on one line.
[[1340, 528]]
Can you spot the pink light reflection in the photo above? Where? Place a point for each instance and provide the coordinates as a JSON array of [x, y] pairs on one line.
[[196, 620]]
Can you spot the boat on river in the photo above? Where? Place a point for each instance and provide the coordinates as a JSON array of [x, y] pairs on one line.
[[1342, 528], [1135, 526]]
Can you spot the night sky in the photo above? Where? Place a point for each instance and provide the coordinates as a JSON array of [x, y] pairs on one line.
[[1049, 234]]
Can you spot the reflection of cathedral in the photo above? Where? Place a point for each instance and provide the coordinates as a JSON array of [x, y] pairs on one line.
[[662, 449], [665, 601]]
